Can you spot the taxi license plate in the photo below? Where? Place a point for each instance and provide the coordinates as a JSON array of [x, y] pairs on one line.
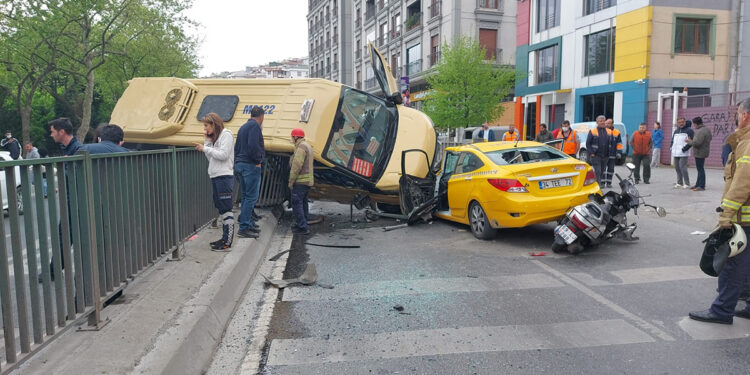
[[555, 183], [567, 234]]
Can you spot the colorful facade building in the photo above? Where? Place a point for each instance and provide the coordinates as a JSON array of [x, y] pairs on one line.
[[611, 57]]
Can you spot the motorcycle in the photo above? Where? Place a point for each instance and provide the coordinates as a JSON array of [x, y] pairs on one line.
[[602, 218]]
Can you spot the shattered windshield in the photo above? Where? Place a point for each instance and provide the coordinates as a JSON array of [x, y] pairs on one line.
[[359, 132], [524, 155]]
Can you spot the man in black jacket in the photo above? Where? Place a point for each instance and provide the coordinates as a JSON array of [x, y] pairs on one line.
[[249, 152]]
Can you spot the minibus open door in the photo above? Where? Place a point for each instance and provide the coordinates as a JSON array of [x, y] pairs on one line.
[[384, 76], [417, 194]]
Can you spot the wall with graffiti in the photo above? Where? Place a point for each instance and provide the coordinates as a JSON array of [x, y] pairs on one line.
[[722, 122]]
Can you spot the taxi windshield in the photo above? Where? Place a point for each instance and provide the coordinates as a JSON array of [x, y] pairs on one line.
[[360, 133], [523, 155]]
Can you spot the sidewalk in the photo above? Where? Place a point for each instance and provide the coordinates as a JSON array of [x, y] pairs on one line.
[[169, 319]]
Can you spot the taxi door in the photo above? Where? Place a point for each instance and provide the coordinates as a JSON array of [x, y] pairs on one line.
[[462, 182], [384, 76]]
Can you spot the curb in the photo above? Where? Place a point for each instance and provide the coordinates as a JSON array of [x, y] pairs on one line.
[[211, 309]]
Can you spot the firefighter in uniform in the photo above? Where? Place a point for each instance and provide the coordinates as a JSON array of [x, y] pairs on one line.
[[300, 179], [511, 135], [735, 207], [570, 141]]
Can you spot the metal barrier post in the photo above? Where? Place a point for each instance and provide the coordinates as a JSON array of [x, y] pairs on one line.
[[177, 252], [95, 316]]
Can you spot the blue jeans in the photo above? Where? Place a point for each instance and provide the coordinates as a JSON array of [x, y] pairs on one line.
[[300, 206], [732, 278], [700, 166], [249, 176]]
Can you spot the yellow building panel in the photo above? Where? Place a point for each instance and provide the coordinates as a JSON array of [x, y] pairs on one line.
[[632, 44]]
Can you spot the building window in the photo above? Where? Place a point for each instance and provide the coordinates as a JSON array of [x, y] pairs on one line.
[[598, 104], [434, 49], [548, 14], [593, 6], [600, 52], [489, 4], [692, 35], [546, 65], [414, 60], [488, 41], [697, 96]]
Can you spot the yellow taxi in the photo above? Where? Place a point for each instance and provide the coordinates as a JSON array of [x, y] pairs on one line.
[[495, 185]]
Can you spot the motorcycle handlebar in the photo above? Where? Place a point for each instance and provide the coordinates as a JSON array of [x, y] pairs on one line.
[[618, 176]]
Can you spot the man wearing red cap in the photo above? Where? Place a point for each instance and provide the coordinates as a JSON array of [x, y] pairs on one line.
[[300, 179]]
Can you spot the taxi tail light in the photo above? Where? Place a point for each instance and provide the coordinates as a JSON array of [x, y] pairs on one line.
[[590, 178], [507, 185]]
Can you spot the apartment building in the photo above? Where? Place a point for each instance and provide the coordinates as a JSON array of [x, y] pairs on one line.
[[410, 33], [330, 39], [611, 57]]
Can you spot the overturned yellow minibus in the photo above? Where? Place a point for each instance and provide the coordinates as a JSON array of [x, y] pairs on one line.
[[358, 139]]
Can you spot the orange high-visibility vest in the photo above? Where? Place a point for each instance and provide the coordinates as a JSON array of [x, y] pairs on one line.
[[569, 144], [510, 137], [616, 133]]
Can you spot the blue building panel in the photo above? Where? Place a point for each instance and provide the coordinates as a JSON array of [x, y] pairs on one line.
[[634, 101]]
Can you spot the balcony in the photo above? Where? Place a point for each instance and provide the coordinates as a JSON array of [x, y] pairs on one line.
[[434, 10], [395, 33], [357, 24], [328, 44], [328, 70], [335, 40], [396, 72], [370, 83], [357, 54], [414, 21], [414, 67], [382, 40], [434, 58], [335, 66]]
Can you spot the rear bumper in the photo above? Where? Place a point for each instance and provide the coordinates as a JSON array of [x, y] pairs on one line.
[[520, 210]]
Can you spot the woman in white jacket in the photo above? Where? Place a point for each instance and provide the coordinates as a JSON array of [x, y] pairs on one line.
[[219, 150]]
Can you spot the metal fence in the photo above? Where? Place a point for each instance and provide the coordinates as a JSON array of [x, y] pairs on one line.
[[103, 220]]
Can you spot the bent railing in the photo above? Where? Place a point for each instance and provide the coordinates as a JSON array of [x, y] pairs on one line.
[[104, 219]]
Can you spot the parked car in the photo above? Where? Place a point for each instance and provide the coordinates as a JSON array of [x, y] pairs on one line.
[[583, 129], [5, 156], [493, 185]]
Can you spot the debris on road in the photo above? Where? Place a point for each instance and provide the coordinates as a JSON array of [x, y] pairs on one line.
[[698, 233], [193, 237], [394, 227], [398, 308], [538, 254], [334, 246], [277, 256], [309, 277], [325, 286]]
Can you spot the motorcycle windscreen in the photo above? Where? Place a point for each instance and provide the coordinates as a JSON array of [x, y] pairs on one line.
[[383, 75]]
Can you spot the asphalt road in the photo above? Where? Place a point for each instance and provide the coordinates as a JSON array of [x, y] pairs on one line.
[[488, 307]]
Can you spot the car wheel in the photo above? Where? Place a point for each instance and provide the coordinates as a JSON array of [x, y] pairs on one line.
[[559, 246], [582, 155], [480, 225], [19, 200]]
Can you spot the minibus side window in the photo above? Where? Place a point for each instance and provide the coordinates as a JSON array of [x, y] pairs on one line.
[[358, 134]]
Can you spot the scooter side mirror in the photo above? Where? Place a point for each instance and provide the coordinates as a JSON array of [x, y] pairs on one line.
[[661, 211], [630, 166]]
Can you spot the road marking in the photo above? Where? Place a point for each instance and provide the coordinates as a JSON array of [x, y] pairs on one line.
[[644, 275], [652, 329], [703, 331], [447, 341], [251, 362], [423, 286]]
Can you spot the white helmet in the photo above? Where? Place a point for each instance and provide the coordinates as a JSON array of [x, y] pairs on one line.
[[720, 246]]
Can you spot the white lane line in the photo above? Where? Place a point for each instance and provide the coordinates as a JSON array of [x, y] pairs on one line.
[[423, 286], [703, 331], [251, 362], [447, 341], [644, 275], [643, 324]]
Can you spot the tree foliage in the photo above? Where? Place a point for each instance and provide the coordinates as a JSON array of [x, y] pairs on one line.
[[467, 89], [81, 53]]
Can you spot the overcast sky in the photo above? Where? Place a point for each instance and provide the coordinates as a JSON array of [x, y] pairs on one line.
[[239, 33]]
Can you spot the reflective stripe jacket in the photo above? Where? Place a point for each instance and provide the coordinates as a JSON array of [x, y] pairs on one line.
[[569, 144], [736, 198], [301, 164], [510, 137], [592, 142]]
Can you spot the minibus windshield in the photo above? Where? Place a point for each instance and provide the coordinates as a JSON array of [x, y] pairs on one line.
[[359, 136]]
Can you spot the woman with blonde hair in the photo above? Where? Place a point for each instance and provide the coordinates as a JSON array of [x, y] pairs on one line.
[[219, 150]]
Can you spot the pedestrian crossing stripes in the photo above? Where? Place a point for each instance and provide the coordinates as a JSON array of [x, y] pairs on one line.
[[451, 341]]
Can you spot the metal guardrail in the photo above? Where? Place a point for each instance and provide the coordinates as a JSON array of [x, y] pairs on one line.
[[105, 218]]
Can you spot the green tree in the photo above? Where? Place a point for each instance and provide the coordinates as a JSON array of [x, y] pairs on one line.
[[467, 88]]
